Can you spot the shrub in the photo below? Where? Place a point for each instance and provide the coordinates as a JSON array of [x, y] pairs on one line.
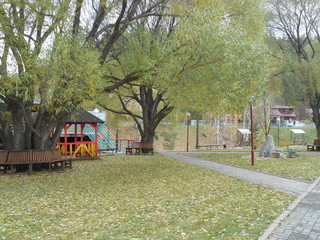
[[169, 139], [292, 153]]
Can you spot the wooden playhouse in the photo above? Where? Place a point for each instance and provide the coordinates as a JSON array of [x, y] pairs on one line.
[[79, 137]]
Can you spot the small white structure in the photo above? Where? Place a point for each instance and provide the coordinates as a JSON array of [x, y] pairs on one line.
[[297, 136], [243, 137]]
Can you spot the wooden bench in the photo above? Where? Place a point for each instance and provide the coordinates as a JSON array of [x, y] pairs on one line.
[[209, 146], [146, 148], [9, 159], [315, 146], [3, 160], [65, 161], [135, 146], [140, 147]]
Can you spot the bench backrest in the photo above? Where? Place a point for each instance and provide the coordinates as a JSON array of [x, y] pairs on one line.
[[31, 156], [135, 144], [316, 142], [3, 156], [146, 145], [56, 154]]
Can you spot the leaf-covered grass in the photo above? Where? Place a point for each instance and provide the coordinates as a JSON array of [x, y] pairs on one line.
[[135, 198], [304, 167]]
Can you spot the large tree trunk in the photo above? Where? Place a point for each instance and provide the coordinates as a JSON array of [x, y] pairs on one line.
[[151, 114], [20, 130], [148, 135], [153, 110], [315, 106]]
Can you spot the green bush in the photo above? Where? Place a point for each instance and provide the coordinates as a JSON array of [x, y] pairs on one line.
[[169, 138], [292, 153]]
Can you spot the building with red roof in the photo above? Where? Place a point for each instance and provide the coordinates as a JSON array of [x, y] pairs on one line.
[[285, 114]]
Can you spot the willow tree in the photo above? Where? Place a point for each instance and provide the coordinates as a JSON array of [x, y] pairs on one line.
[[207, 57], [44, 74], [294, 26], [51, 54], [36, 101]]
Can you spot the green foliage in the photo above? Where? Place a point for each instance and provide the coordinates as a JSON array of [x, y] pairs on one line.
[[169, 138], [259, 134], [237, 68], [212, 60], [123, 197], [299, 79], [71, 71], [292, 153], [42, 63], [67, 74]]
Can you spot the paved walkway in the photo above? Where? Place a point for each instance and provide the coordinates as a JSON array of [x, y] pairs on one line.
[[286, 185], [301, 221]]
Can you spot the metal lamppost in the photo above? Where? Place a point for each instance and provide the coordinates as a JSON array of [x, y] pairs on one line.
[[188, 126]]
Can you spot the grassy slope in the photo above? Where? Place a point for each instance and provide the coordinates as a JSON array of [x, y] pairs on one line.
[[285, 134], [135, 197], [207, 135]]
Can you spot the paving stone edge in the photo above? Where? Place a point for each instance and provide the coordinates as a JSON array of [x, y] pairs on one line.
[[285, 214]]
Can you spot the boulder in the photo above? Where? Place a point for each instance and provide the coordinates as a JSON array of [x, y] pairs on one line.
[[267, 148]]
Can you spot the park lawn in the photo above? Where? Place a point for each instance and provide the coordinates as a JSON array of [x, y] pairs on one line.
[[304, 167], [235, 150], [285, 134], [297, 148], [136, 197]]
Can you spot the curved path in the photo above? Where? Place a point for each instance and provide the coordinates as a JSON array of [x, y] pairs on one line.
[[300, 221], [286, 185]]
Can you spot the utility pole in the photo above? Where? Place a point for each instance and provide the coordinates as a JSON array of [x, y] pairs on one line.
[[252, 136]]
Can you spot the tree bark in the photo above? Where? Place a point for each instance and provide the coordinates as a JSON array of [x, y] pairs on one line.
[[151, 112], [315, 106], [151, 115], [24, 131]]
